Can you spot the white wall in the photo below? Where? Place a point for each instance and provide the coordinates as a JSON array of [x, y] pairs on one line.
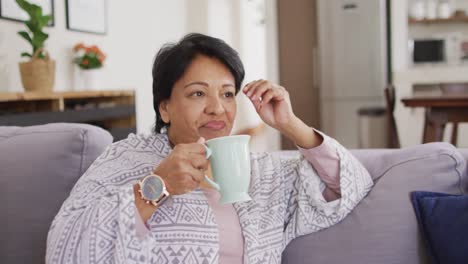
[[258, 49]]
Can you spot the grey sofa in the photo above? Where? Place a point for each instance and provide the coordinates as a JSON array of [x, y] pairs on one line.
[[39, 165]]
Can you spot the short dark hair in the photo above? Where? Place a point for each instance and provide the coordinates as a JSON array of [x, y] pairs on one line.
[[172, 61]]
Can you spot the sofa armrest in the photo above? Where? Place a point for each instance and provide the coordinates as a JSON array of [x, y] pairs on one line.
[[39, 165], [383, 227]]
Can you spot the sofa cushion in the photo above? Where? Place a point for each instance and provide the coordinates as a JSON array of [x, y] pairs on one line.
[[383, 227], [443, 220], [38, 167], [464, 152]]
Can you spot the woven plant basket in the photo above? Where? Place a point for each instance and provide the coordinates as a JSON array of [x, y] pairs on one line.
[[38, 75]]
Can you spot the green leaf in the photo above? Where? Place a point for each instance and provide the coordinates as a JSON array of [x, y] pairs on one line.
[[30, 26], [36, 11], [38, 39], [26, 36], [45, 20], [29, 8], [24, 5], [25, 54]]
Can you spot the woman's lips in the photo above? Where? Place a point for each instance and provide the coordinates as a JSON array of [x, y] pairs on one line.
[[215, 125]]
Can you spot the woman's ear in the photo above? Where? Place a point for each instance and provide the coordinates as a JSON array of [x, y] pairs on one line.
[[163, 110]]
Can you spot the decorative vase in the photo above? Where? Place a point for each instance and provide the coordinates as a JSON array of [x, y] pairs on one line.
[[86, 79], [38, 75], [445, 9], [431, 9], [417, 10]]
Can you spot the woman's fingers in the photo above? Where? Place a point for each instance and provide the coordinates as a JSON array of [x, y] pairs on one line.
[[260, 89], [266, 98], [196, 174], [264, 90], [192, 148], [187, 178], [250, 87], [247, 87], [257, 104], [199, 162], [185, 169]]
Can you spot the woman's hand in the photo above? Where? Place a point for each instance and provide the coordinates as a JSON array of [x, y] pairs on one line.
[[184, 169], [273, 104]]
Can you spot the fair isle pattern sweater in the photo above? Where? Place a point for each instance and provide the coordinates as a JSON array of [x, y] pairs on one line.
[[96, 224]]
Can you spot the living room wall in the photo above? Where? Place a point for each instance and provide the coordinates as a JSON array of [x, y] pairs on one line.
[[135, 33]]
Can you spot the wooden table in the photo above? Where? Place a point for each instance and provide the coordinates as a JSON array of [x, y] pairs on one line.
[[440, 110]]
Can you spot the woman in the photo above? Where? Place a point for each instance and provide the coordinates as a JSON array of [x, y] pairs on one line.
[[145, 200]]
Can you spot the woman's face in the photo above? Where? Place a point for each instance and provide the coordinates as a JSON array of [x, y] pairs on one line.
[[202, 103]]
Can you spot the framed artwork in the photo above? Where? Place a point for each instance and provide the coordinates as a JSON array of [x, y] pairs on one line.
[[87, 16], [10, 10]]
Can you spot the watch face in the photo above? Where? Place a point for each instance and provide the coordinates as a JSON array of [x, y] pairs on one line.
[[152, 188]]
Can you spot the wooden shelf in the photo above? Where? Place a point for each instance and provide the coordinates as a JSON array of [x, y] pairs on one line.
[[30, 96], [69, 116], [456, 19], [111, 110]]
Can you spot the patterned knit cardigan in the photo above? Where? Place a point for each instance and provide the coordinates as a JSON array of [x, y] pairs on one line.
[[96, 224]]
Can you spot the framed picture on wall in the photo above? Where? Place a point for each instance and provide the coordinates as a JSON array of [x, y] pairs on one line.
[[87, 16], [10, 10]]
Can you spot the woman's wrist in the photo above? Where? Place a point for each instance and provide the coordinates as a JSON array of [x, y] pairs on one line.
[[145, 210], [301, 134]]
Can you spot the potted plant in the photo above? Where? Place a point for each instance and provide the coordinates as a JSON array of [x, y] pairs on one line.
[[37, 74], [88, 60]]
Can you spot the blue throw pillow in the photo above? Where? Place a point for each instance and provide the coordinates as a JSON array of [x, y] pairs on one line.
[[443, 219]]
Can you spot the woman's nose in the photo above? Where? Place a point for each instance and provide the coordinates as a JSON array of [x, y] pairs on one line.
[[214, 106]]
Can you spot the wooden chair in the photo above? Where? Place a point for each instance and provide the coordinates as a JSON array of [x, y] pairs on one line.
[[393, 140], [454, 88], [454, 138]]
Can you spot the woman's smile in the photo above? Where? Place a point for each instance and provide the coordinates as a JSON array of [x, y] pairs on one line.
[[215, 125]]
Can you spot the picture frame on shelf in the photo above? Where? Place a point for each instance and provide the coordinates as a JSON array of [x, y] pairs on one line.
[[89, 16], [10, 10]]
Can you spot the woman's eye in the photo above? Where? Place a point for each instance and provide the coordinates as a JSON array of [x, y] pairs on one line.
[[197, 94], [228, 94]]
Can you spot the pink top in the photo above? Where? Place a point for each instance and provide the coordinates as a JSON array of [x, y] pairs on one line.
[[231, 242]]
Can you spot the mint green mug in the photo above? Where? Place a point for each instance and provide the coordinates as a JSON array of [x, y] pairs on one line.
[[230, 164]]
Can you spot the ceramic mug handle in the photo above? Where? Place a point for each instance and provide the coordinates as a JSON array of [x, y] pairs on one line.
[[210, 181]]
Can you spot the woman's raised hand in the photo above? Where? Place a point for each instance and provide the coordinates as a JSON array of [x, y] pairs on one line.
[[272, 103]]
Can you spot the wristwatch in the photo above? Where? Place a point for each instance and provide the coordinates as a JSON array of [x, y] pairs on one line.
[[153, 190]]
